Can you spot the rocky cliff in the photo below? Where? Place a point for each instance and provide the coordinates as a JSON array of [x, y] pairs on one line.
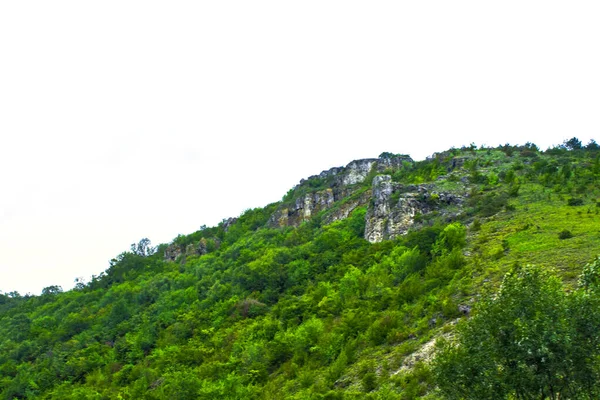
[[395, 208], [326, 190], [392, 208]]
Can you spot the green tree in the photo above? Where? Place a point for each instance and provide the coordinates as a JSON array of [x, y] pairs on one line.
[[532, 340], [51, 290], [452, 237], [572, 144], [143, 248]]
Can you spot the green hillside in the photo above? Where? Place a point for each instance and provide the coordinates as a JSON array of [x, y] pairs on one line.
[[339, 291]]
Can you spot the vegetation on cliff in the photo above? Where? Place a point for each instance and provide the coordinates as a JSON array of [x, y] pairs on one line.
[[249, 309]]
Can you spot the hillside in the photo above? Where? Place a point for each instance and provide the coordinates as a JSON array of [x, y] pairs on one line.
[[338, 291]]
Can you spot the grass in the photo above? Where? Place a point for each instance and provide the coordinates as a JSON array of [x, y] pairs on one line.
[[530, 235]]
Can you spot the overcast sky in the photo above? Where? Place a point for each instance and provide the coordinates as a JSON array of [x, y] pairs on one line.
[[128, 119]]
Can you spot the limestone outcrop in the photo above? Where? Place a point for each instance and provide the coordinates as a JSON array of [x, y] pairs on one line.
[[392, 208], [320, 192], [202, 247]]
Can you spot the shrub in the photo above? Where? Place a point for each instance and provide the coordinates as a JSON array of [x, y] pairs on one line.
[[404, 262], [513, 190], [369, 381], [493, 179], [575, 201], [565, 234]]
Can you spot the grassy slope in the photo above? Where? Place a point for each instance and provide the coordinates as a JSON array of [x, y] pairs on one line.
[[531, 233]]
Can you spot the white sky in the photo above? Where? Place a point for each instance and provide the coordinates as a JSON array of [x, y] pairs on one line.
[[128, 119]]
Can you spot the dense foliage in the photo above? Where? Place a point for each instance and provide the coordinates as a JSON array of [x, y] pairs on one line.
[[315, 312], [531, 340]]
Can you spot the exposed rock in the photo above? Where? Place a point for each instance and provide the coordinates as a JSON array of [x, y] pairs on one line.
[[228, 222], [323, 175], [304, 208], [172, 252], [204, 246], [392, 162], [423, 354], [341, 183], [457, 162], [190, 249], [394, 207], [464, 309], [377, 217], [280, 218], [357, 171], [314, 202], [345, 209]]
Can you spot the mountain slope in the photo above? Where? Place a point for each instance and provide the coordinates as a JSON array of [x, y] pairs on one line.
[[334, 292]]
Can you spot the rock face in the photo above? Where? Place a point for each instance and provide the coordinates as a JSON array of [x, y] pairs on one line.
[[228, 222], [357, 171], [392, 208], [395, 207], [377, 227], [344, 210], [321, 192], [202, 247], [307, 206], [172, 252]]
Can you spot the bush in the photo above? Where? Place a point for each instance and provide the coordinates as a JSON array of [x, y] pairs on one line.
[[565, 234], [369, 381], [380, 329], [489, 204], [513, 190], [575, 201], [452, 237], [404, 262]]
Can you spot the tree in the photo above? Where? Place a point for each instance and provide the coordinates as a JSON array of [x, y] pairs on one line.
[[592, 145], [532, 340], [51, 290], [79, 283], [143, 248], [452, 237], [572, 144], [532, 146]]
